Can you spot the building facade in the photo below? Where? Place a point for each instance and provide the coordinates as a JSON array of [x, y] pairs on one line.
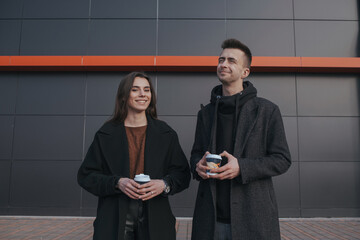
[[48, 118]]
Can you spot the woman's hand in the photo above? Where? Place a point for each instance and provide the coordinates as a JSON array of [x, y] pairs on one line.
[[129, 187], [151, 189]]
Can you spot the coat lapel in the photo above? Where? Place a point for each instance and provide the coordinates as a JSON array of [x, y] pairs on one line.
[[247, 119], [114, 143], [152, 147]]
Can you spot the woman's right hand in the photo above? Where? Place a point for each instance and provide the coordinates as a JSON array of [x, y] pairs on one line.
[[129, 187]]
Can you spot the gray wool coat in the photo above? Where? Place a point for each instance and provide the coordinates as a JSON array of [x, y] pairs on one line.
[[262, 152]]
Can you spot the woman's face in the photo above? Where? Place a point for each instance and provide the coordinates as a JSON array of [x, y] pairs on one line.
[[140, 95]]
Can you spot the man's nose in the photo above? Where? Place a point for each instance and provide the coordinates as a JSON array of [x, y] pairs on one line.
[[223, 64]]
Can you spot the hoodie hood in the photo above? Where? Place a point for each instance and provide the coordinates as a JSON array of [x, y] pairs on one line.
[[216, 93], [227, 105]]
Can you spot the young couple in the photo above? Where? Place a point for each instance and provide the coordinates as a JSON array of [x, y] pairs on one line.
[[237, 203]]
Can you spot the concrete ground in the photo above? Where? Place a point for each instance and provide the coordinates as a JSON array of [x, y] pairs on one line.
[[80, 228]]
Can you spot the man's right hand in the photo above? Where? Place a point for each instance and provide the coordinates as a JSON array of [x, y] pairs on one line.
[[201, 167]]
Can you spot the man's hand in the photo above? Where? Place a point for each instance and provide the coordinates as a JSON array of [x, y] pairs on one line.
[[201, 167], [229, 170]]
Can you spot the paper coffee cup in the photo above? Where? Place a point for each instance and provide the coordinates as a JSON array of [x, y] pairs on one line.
[[213, 161], [142, 178]]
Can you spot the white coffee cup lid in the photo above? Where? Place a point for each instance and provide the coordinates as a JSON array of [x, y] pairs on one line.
[[213, 156], [142, 178]]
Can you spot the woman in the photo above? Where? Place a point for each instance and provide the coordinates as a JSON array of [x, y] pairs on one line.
[[134, 141]]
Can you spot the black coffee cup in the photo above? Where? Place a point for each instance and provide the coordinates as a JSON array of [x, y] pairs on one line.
[[213, 161]]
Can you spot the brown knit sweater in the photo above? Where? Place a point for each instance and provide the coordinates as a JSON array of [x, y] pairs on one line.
[[136, 139]]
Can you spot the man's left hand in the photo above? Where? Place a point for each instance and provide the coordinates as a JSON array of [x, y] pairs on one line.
[[229, 170]]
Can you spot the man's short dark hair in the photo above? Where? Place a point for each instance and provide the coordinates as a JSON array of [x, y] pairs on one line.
[[234, 43]]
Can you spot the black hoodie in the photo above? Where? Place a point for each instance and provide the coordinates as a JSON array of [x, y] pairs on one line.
[[226, 115]]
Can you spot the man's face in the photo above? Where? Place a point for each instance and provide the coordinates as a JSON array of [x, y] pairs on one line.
[[232, 66]]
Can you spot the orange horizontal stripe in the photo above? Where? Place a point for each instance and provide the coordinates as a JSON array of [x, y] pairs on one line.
[[34, 61], [173, 63], [4, 60], [119, 60]]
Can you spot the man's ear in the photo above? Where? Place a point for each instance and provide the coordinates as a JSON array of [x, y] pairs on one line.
[[245, 73]]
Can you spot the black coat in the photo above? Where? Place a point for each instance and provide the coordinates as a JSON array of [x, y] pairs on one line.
[[262, 152], [107, 161]]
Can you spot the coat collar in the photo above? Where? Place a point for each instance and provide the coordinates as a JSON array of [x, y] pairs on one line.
[[113, 141]]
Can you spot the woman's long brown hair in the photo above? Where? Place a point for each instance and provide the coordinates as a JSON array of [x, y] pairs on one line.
[[122, 97]]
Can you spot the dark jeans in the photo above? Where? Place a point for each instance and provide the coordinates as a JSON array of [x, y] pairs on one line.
[[136, 227], [222, 231]]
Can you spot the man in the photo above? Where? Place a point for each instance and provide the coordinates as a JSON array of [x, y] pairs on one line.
[[247, 131]]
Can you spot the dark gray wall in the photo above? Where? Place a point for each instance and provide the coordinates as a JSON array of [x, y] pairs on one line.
[[48, 119]]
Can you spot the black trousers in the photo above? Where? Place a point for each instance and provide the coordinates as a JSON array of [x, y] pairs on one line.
[[136, 227]]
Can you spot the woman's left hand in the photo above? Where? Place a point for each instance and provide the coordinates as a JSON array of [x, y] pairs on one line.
[[151, 189]]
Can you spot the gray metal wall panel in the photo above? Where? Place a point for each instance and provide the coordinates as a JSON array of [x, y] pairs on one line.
[[190, 37], [278, 88], [10, 37], [329, 139], [101, 92], [89, 201], [182, 93], [11, 9], [54, 37], [8, 92], [214, 9], [291, 126], [328, 95], [258, 9], [56, 9], [326, 9], [6, 136], [92, 125], [288, 192], [123, 9], [327, 38], [185, 128], [117, 37], [48, 137], [264, 37], [326, 185], [45, 184], [5, 170], [182, 204], [51, 93]]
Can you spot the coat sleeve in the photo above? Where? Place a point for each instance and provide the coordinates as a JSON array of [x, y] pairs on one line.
[[93, 176], [277, 159], [178, 172], [198, 149]]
